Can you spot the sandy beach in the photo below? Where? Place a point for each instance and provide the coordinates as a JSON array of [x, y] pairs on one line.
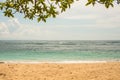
[[55, 71]]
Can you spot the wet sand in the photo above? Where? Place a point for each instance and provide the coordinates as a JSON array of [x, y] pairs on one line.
[[56, 71]]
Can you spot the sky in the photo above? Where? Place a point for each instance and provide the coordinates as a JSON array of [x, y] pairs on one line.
[[80, 22]]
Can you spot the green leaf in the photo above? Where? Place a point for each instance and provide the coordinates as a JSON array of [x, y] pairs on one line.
[[88, 3], [107, 5], [39, 19]]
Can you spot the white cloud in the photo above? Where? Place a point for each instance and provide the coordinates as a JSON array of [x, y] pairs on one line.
[[80, 16], [14, 22], [25, 31], [101, 16], [3, 28]]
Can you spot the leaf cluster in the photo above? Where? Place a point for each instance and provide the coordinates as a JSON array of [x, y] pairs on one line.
[[43, 9], [39, 9], [107, 3]]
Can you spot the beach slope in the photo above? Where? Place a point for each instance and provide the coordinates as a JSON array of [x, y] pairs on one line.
[[51, 71]]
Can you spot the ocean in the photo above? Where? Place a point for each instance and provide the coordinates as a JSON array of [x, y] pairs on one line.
[[59, 50]]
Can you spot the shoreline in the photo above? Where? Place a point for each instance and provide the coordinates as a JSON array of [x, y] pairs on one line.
[[54, 62]]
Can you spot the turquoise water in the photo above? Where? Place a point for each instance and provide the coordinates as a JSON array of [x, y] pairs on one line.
[[69, 50]]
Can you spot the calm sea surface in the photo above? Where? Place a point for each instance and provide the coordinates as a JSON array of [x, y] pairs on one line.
[[69, 50]]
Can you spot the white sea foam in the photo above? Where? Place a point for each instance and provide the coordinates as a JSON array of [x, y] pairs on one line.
[[57, 62]]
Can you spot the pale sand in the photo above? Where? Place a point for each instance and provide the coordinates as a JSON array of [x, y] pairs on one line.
[[52, 71]]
